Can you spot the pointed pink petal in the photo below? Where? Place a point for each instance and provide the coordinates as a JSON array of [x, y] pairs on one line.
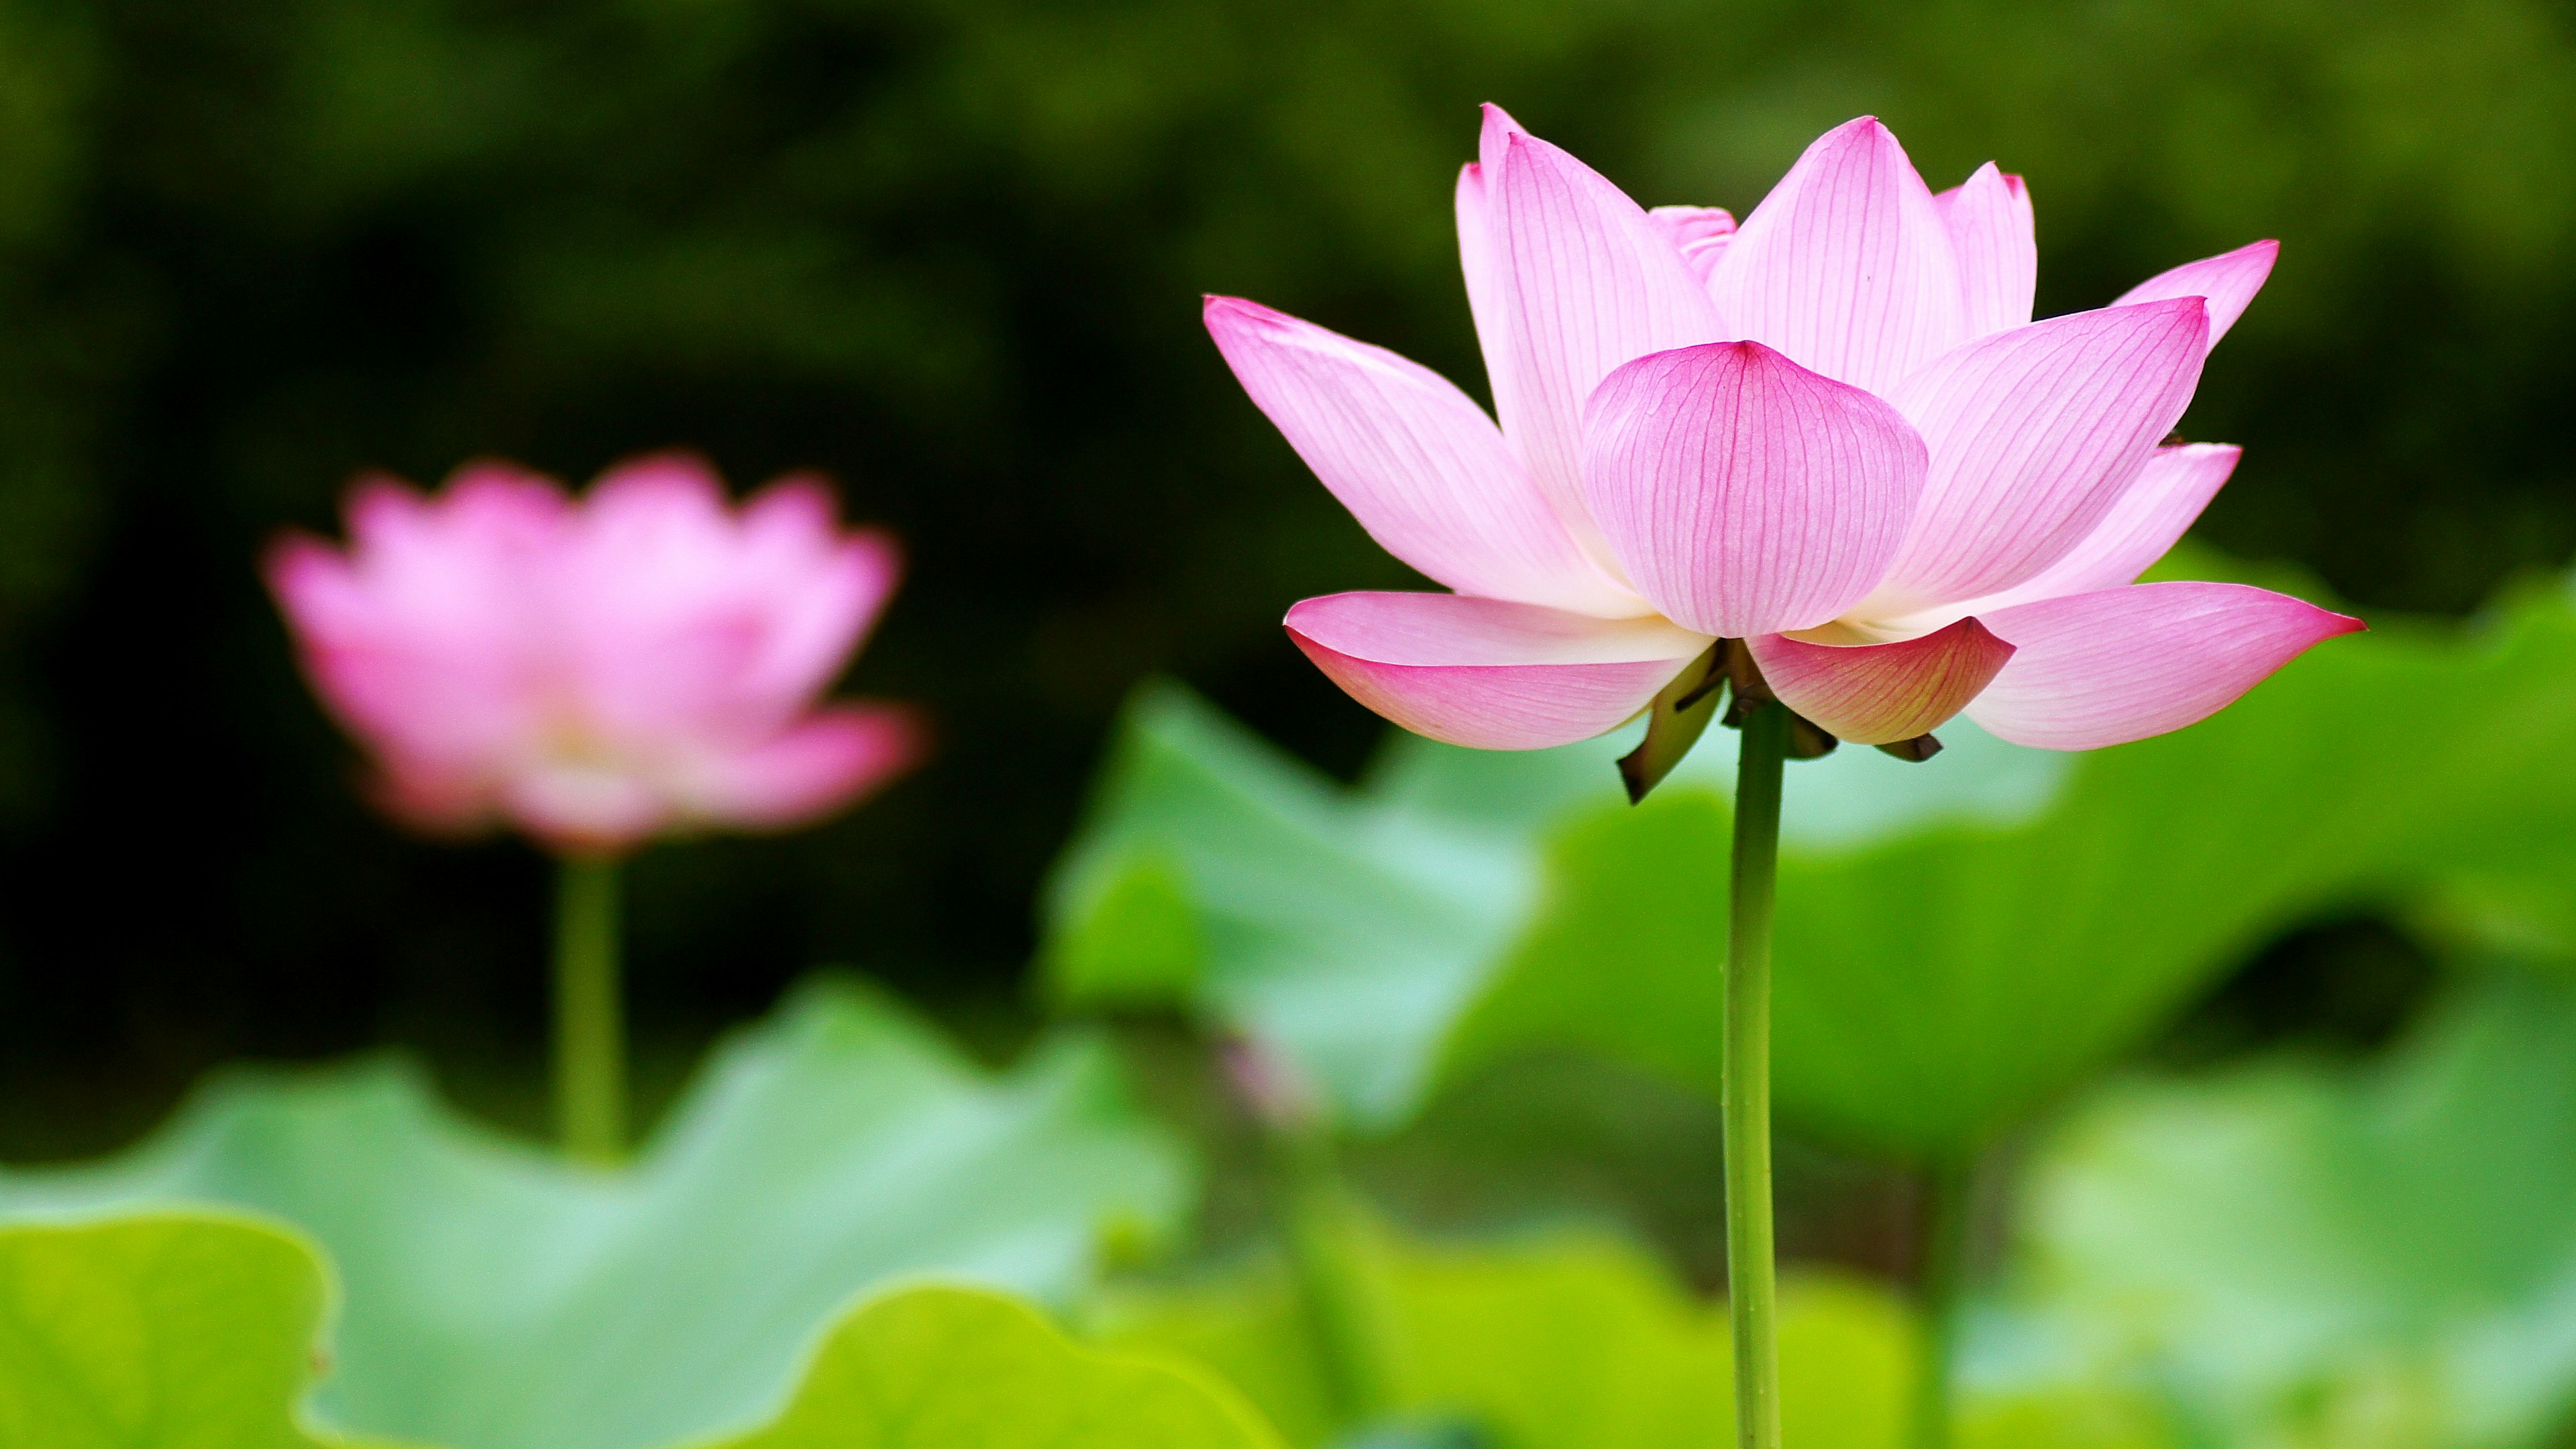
[[2227, 281], [1992, 231], [1845, 266], [2121, 664], [2034, 433], [1744, 494], [1585, 283], [823, 763], [1484, 281], [1877, 694], [2170, 491], [828, 587], [1418, 464], [1488, 674]]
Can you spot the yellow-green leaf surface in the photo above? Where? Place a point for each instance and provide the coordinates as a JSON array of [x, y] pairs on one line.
[[158, 1332], [497, 1298], [174, 1331], [1958, 940], [953, 1368], [1577, 1341]]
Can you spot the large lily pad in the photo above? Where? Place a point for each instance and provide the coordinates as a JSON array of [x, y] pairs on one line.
[[173, 1331], [954, 1368], [2316, 1254], [160, 1332], [1958, 940], [1577, 1341], [499, 1299]]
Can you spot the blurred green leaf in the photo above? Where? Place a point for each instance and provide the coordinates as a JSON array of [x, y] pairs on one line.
[[498, 1299], [161, 1332], [2311, 1254], [1958, 940], [1578, 1341], [183, 1332], [953, 1368]]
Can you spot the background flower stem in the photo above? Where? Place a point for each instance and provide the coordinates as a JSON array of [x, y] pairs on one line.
[[1326, 1243], [1948, 1207], [1747, 1073], [590, 1028]]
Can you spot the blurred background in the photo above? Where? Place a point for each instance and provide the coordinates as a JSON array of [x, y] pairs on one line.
[[949, 251]]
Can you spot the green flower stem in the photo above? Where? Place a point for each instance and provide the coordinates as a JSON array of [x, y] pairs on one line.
[[590, 1026], [1750, 1272], [1948, 1202], [1326, 1244]]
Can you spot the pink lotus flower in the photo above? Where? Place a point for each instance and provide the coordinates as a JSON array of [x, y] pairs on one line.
[[643, 661], [1833, 432]]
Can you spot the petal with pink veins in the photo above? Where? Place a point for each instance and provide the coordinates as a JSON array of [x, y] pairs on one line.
[[1877, 694], [2170, 492], [2034, 434], [1484, 280], [1486, 673], [1992, 230], [2122, 664], [1418, 464], [1846, 266], [1584, 282], [1744, 494], [2227, 282]]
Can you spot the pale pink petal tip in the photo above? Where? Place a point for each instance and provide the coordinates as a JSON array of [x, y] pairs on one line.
[[1485, 673], [1847, 265], [2123, 664], [1878, 694], [2227, 282]]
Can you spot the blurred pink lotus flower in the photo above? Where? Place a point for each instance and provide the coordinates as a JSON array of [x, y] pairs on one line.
[[1833, 432], [643, 661]]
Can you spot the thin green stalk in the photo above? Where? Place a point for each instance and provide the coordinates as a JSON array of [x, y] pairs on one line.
[[1948, 1209], [1319, 1224], [1750, 1275], [590, 1025]]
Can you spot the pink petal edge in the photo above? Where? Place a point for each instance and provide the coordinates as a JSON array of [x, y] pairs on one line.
[[2034, 434], [2151, 516], [1486, 673], [1993, 233], [1877, 694], [823, 763], [1414, 460], [2123, 664], [2227, 282]]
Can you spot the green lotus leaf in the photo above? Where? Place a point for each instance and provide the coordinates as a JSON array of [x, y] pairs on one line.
[[1576, 1340], [1959, 941], [2313, 1253], [159, 1332], [500, 1299], [954, 1368]]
